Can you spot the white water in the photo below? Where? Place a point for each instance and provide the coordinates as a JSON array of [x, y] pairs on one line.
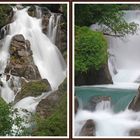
[[124, 66], [53, 25], [107, 123], [125, 52], [46, 56]]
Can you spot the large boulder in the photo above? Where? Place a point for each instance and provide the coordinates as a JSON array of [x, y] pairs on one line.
[[135, 103], [47, 106], [94, 77], [21, 61], [33, 88], [95, 100], [88, 129]]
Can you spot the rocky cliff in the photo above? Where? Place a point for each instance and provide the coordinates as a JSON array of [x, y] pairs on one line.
[[94, 77]]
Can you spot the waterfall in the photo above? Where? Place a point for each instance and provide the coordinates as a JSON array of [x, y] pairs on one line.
[[53, 25], [46, 56], [103, 105], [124, 67], [126, 53]]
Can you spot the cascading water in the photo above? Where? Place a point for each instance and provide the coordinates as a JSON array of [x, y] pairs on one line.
[[125, 51], [55, 68], [124, 66], [53, 25], [46, 56]]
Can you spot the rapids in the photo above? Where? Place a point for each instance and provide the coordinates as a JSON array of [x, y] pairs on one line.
[[124, 67]]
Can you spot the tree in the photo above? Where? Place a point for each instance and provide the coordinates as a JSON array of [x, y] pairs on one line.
[[109, 16], [90, 49], [5, 119], [11, 123]]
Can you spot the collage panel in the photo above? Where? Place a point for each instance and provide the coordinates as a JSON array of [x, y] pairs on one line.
[[106, 69], [34, 69]]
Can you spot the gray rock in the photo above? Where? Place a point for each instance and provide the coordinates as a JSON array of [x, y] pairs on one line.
[[21, 61], [18, 38], [47, 106], [1, 84], [95, 100], [76, 105], [94, 77], [88, 129], [135, 103]]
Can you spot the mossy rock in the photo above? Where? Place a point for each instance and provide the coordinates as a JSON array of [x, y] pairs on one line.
[[56, 123], [47, 106], [51, 116], [33, 88]]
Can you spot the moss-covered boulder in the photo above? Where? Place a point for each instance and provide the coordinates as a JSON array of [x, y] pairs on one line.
[[33, 88], [51, 117]]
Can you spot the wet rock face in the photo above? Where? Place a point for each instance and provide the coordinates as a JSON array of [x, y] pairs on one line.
[[45, 23], [61, 33], [21, 61], [88, 129], [95, 100], [94, 77], [61, 37], [135, 104]]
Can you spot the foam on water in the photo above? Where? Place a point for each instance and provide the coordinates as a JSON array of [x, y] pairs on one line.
[[124, 67]]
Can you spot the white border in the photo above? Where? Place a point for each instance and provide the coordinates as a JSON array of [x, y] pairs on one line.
[[73, 88], [50, 137]]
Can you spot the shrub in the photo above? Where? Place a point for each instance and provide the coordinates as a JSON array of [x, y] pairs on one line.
[[90, 49]]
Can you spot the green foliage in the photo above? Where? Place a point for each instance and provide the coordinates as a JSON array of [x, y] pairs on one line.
[[90, 49], [109, 15], [83, 15], [33, 88], [8, 118], [5, 10], [55, 122], [5, 119]]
